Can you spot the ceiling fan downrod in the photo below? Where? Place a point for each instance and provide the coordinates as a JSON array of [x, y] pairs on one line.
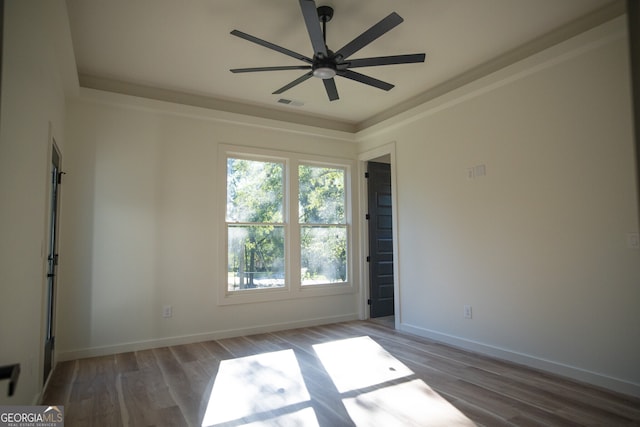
[[325, 13]]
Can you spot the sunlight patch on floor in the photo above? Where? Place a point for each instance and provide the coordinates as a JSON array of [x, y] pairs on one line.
[[303, 418], [357, 363], [410, 403], [266, 386], [379, 389], [375, 388]]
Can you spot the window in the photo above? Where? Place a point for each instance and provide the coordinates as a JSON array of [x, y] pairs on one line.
[[323, 228], [255, 225], [286, 225]]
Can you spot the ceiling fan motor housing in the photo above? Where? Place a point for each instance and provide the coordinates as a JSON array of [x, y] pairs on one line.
[[325, 13]]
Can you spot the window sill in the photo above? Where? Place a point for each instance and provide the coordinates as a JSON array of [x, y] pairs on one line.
[[268, 295]]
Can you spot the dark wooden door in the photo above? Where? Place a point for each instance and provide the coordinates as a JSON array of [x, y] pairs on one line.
[[380, 240], [52, 259]]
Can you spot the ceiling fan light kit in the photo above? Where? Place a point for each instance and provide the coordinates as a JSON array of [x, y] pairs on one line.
[[326, 64], [324, 72]]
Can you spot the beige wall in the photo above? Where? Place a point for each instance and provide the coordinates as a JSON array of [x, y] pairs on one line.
[[33, 110], [538, 246], [141, 220]]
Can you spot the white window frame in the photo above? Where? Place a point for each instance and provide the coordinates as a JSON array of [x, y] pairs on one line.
[[345, 225], [293, 284]]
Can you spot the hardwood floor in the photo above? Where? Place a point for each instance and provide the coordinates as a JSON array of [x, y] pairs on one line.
[[354, 373]]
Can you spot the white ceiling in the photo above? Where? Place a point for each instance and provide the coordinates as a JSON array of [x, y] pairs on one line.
[[172, 48]]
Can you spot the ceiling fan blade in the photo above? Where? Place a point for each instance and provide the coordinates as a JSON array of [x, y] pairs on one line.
[[385, 60], [370, 35], [366, 79], [280, 68], [293, 83], [332, 90], [310, 14], [272, 46]]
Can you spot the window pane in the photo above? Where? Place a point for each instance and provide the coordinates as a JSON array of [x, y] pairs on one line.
[[255, 191], [255, 257], [321, 199], [323, 254]]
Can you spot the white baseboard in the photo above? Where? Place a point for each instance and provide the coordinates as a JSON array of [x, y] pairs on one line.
[[188, 339], [600, 380]]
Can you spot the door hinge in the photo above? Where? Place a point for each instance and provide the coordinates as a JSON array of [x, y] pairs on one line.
[[369, 301], [53, 343], [60, 177], [367, 217], [368, 259], [366, 174]]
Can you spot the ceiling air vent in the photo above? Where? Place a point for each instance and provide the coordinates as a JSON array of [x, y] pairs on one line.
[[291, 102]]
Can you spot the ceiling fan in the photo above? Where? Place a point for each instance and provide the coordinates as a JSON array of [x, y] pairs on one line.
[[326, 64]]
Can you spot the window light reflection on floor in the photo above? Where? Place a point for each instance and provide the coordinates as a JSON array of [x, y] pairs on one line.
[[407, 404], [375, 388], [358, 363], [254, 388], [379, 390]]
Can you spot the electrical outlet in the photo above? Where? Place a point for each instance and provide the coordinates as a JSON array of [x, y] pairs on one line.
[[167, 311], [467, 312], [633, 240]]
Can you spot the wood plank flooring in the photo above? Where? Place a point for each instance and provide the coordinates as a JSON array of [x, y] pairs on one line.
[[346, 374]]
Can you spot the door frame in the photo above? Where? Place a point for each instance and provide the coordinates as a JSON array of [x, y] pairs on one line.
[[364, 157]]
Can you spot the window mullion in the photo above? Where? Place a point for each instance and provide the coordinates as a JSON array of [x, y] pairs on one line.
[[294, 252]]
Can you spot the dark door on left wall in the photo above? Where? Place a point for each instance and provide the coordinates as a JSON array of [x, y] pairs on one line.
[[52, 261]]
